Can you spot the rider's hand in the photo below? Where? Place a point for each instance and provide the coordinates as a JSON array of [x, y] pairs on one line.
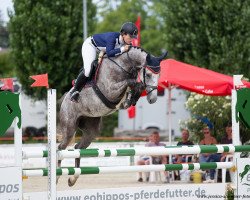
[[101, 54], [127, 47]]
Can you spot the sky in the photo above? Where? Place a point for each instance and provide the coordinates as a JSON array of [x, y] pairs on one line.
[[4, 5]]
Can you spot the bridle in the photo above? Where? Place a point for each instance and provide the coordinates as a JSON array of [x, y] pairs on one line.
[[149, 88], [133, 73]]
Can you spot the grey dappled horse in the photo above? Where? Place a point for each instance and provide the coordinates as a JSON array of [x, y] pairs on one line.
[[113, 79]]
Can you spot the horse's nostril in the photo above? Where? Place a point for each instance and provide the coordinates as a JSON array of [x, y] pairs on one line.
[[153, 100]]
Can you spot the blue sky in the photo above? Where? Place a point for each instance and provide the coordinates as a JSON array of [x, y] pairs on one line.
[[4, 5]]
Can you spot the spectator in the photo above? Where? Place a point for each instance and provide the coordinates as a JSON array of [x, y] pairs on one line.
[[154, 140], [184, 141], [226, 140], [217, 157], [207, 140]]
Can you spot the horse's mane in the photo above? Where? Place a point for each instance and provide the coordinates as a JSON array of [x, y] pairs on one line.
[[142, 50]]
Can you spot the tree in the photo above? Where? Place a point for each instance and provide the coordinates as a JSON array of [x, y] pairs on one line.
[[6, 65], [4, 35], [205, 109], [46, 37], [210, 34]]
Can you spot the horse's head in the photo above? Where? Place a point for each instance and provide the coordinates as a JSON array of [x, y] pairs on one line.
[[137, 59], [150, 75]]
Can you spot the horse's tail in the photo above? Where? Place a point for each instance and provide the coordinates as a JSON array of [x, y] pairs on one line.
[[59, 101], [58, 105]]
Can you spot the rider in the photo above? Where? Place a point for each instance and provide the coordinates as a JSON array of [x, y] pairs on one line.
[[113, 43]]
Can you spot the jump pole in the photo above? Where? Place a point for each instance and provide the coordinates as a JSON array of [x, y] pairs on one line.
[[126, 169], [138, 151]]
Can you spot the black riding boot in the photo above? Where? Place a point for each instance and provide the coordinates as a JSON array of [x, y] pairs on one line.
[[79, 84]]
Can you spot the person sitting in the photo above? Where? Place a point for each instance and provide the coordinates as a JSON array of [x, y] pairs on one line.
[[207, 140], [154, 141], [184, 142], [218, 157], [185, 157], [227, 139]]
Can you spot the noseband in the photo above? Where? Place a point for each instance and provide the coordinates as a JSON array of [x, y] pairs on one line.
[[149, 88]]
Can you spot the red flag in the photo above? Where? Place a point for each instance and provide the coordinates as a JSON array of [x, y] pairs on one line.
[[7, 84], [137, 41], [131, 112], [40, 80]]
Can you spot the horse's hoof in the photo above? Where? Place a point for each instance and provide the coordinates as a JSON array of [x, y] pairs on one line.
[[70, 182], [57, 179], [126, 104]]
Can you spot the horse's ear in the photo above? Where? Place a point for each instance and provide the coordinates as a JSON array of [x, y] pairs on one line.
[[162, 56], [152, 61]]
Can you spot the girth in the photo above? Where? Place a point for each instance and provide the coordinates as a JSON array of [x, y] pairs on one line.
[[108, 103]]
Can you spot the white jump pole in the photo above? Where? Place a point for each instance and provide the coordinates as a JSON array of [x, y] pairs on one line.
[[51, 144]]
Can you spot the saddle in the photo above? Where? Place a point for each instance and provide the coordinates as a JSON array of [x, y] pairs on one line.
[[92, 74]]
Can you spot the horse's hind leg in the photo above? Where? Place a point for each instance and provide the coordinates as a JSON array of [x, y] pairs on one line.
[[91, 128], [68, 131]]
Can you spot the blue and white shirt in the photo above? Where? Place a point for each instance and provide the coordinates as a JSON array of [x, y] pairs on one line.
[[110, 42]]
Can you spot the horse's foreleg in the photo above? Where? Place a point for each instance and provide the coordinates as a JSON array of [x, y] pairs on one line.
[[134, 93], [131, 83]]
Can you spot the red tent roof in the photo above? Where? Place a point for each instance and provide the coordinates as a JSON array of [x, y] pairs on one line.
[[195, 79]]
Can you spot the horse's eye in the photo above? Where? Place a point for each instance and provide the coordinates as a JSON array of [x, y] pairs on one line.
[[148, 75]]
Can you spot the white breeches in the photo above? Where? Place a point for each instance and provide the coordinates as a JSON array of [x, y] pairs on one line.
[[88, 55]]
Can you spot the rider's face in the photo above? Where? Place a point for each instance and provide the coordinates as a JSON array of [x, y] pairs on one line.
[[127, 39]]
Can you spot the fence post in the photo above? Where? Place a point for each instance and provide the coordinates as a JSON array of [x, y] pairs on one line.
[[51, 144]]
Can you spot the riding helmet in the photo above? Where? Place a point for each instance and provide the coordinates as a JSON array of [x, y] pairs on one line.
[[129, 28]]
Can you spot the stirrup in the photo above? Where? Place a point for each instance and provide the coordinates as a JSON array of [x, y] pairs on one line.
[[75, 96]]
